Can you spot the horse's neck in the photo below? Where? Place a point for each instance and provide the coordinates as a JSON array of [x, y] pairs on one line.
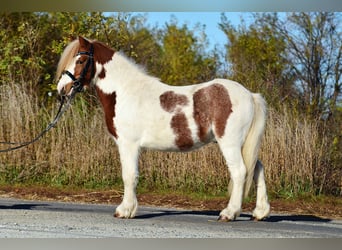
[[124, 75]]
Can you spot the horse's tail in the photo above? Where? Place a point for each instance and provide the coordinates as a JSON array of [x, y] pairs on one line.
[[250, 148], [252, 142]]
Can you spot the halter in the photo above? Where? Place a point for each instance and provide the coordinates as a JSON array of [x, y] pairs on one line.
[[77, 82]]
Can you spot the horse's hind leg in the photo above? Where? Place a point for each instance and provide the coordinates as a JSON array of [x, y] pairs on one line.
[[129, 163], [262, 208], [237, 171]]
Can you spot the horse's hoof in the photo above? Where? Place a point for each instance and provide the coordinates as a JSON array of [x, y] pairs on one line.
[[119, 216], [253, 218], [223, 218]]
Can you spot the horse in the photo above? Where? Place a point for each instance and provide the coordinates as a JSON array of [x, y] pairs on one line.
[[140, 111]]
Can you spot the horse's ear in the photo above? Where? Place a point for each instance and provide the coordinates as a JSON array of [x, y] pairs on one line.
[[83, 42]]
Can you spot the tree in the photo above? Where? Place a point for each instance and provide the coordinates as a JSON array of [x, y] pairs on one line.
[[314, 49], [256, 56], [130, 34], [23, 56], [183, 60]]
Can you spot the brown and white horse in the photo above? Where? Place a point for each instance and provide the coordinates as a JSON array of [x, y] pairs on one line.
[[142, 112]]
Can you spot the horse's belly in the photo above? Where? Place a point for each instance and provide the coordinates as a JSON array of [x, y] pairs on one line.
[[174, 143]]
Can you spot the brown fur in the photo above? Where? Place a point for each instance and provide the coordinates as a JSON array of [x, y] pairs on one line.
[[102, 74], [108, 102], [170, 100], [212, 105], [180, 126], [102, 53]]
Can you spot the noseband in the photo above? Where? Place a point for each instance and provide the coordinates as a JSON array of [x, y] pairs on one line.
[[77, 82]]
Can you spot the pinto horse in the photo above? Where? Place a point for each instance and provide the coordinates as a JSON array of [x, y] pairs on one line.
[[142, 112]]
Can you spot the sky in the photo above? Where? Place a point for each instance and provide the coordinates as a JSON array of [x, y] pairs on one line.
[[209, 19]]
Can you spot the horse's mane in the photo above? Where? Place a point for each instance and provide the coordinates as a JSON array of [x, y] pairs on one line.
[[66, 57], [73, 47]]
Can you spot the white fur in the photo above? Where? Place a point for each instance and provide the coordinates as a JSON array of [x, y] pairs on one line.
[[140, 121]]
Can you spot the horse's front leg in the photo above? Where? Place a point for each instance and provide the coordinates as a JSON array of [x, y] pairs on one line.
[[129, 154]]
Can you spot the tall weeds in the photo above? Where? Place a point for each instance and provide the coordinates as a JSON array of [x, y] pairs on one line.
[[79, 152], [295, 154]]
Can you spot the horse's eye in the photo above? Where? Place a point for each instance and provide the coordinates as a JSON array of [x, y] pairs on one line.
[[79, 62]]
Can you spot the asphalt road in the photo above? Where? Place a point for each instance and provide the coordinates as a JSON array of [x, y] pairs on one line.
[[26, 219]]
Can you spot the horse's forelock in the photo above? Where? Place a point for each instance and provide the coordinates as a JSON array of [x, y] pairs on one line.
[[66, 57]]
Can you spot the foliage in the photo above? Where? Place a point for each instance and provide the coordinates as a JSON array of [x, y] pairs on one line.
[[24, 56], [181, 62], [314, 54], [257, 57]]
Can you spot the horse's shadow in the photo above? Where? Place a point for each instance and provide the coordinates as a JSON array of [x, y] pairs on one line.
[[271, 218], [294, 218], [162, 213], [170, 213], [21, 206]]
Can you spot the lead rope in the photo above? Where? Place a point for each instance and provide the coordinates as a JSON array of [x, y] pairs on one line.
[[62, 108], [77, 87]]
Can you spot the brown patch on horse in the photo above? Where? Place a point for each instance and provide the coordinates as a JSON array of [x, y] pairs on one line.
[[212, 105], [180, 126], [108, 102], [102, 74], [80, 64], [170, 100], [102, 53]]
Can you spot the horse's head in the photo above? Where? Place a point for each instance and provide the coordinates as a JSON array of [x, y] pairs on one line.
[[76, 67]]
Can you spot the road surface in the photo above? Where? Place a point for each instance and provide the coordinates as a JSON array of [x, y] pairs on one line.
[[42, 219]]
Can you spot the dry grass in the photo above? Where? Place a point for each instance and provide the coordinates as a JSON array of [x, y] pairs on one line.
[[294, 153], [79, 152]]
